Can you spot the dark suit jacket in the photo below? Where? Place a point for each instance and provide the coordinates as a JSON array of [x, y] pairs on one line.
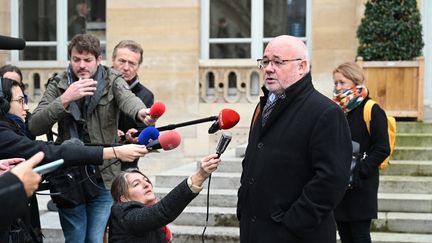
[[295, 170], [147, 97]]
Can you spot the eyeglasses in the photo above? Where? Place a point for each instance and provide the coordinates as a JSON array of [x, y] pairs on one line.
[[264, 62], [22, 100]]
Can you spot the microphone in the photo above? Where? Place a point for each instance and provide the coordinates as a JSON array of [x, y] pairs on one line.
[[148, 134], [157, 109], [223, 143], [188, 123], [227, 119], [11, 43], [166, 141]]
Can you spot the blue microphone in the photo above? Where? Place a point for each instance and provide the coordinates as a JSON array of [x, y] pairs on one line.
[[147, 135]]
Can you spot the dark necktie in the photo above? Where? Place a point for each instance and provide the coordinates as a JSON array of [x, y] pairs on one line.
[[268, 109]]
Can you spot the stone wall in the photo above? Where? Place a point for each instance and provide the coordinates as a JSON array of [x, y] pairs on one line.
[[169, 32]]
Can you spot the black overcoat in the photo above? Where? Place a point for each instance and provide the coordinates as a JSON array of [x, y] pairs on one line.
[[361, 202], [295, 170]]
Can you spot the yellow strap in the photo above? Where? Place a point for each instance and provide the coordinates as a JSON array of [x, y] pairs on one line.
[[367, 113]]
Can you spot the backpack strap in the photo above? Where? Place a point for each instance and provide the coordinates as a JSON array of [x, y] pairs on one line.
[[256, 114], [367, 113]]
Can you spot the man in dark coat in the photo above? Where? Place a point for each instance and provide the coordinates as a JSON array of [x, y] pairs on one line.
[[296, 166], [127, 58]]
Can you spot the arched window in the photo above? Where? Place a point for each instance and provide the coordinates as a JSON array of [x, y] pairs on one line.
[[254, 84], [36, 85], [210, 84], [232, 84]]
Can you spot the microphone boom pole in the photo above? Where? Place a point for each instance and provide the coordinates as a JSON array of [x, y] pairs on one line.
[[174, 126]]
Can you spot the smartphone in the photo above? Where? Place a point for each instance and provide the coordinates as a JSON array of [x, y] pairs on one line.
[[50, 167]]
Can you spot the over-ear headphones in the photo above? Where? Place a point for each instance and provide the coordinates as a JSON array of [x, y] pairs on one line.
[[4, 104], [1, 87]]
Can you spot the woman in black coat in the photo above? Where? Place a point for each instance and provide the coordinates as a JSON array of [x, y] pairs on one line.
[[137, 216], [360, 204], [14, 143]]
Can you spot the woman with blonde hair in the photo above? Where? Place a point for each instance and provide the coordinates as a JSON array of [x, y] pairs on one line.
[[360, 204]]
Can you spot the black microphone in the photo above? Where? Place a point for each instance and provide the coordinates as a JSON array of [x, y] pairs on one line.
[[214, 127], [223, 143], [11, 43]]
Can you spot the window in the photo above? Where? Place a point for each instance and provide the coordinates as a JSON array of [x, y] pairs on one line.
[[48, 25], [241, 28]]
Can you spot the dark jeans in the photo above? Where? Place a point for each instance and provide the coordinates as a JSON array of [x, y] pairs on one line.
[[354, 231]]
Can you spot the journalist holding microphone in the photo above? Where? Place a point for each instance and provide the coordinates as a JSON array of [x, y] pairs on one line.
[[137, 216], [15, 143], [85, 101]]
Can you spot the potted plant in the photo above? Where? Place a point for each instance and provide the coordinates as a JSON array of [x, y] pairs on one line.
[[390, 44]]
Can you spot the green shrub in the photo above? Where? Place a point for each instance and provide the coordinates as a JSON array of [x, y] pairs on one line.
[[390, 30]]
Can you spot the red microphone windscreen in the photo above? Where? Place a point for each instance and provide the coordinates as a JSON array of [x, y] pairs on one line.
[[228, 118], [169, 140], [157, 109]]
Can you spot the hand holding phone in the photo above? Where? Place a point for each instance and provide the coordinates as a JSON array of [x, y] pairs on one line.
[[50, 167]]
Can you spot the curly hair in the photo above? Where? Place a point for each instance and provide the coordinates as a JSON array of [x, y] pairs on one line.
[[85, 43]]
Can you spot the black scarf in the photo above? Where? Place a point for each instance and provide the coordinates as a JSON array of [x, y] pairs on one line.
[[81, 109]]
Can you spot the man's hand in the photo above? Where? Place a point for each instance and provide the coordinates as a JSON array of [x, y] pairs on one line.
[[129, 136], [24, 172], [7, 164], [144, 116], [77, 90], [120, 134]]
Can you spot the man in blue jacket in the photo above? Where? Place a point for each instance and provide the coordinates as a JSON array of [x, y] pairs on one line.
[[296, 166]]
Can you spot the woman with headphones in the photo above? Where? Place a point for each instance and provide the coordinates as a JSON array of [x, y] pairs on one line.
[[15, 143], [14, 73]]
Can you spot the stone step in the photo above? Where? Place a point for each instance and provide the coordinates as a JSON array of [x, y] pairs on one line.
[[381, 237], [218, 197], [414, 139], [388, 184], [397, 167], [192, 234], [219, 180], [387, 202], [230, 165], [386, 222], [408, 168], [403, 222], [412, 153], [413, 127], [240, 150], [218, 216], [405, 202], [400, 153], [405, 184]]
